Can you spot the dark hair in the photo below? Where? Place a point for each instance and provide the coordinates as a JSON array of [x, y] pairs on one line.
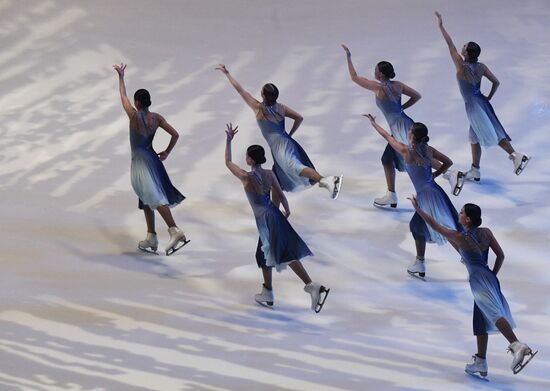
[[473, 212], [420, 132], [473, 50], [256, 153], [142, 96], [271, 93], [386, 68]]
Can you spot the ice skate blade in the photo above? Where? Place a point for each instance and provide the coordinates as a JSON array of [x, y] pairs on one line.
[[517, 369], [266, 304], [523, 164], [384, 206], [478, 375], [420, 276], [459, 184], [337, 187], [148, 250], [322, 299], [172, 250]]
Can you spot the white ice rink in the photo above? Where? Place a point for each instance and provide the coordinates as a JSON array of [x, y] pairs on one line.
[[82, 309]]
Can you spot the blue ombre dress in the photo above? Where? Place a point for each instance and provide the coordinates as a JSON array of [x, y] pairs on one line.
[[489, 303], [485, 128], [149, 178], [431, 198], [398, 121], [289, 157], [280, 244]]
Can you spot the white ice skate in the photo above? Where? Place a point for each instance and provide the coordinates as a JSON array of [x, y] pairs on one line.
[[150, 244], [390, 198], [318, 295], [418, 268], [520, 351], [456, 180], [265, 298], [177, 240], [473, 174], [478, 366], [333, 184], [520, 162]]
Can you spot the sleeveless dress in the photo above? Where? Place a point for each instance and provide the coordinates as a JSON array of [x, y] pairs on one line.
[[489, 303], [279, 243], [485, 128], [149, 178], [431, 198], [288, 156], [397, 120]]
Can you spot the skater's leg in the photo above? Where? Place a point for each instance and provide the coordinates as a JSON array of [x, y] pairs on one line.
[[310, 173], [476, 154], [267, 274], [420, 247], [149, 219], [389, 172], [165, 213], [504, 327], [505, 144], [300, 271], [482, 341]]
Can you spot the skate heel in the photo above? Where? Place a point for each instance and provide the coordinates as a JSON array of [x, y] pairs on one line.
[[265, 298], [393, 205]]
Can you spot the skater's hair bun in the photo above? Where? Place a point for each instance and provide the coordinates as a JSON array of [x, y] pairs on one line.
[[420, 132], [473, 50], [386, 68], [271, 93], [143, 97], [256, 153], [473, 212]]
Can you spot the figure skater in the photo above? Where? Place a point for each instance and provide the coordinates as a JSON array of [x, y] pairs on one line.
[[388, 99], [491, 311], [149, 178], [418, 156], [485, 128], [281, 244], [292, 166]]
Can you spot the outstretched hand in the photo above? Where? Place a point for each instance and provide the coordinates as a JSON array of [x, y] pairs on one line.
[[120, 69], [348, 53], [414, 202], [222, 68], [231, 132], [439, 18], [371, 118]]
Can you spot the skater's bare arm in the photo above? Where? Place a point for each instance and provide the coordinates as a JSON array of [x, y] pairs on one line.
[[446, 162], [235, 170], [277, 191], [453, 236], [362, 81], [128, 108], [248, 98], [410, 92], [457, 59], [173, 139], [399, 147], [298, 119], [495, 246], [492, 78]]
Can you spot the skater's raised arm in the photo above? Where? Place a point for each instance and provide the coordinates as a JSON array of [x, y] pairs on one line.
[[128, 108], [492, 78], [235, 170], [446, 162], [457, 59], [173, 139], [412, 93], [399, 147], [296, 117], [495, 246], [453, 236], [362, 81], [248, 98], [278, 193]]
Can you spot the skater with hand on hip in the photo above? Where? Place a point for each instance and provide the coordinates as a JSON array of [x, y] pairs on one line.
[[149, 178], [281, 245], [491, 311]]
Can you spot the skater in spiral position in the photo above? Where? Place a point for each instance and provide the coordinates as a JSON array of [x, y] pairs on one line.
[[281, 245], [149, 178], [418, 156], [388, 94], [291, 165], [485, 128], [491, 311]]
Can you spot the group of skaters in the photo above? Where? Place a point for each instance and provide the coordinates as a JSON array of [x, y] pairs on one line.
[[435, 220]]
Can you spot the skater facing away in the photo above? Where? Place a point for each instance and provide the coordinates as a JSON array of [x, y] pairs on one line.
[[388, 94], [485, 128], [149, 178], [292, 166], [418, 156], [491, 311], [281, 245]]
